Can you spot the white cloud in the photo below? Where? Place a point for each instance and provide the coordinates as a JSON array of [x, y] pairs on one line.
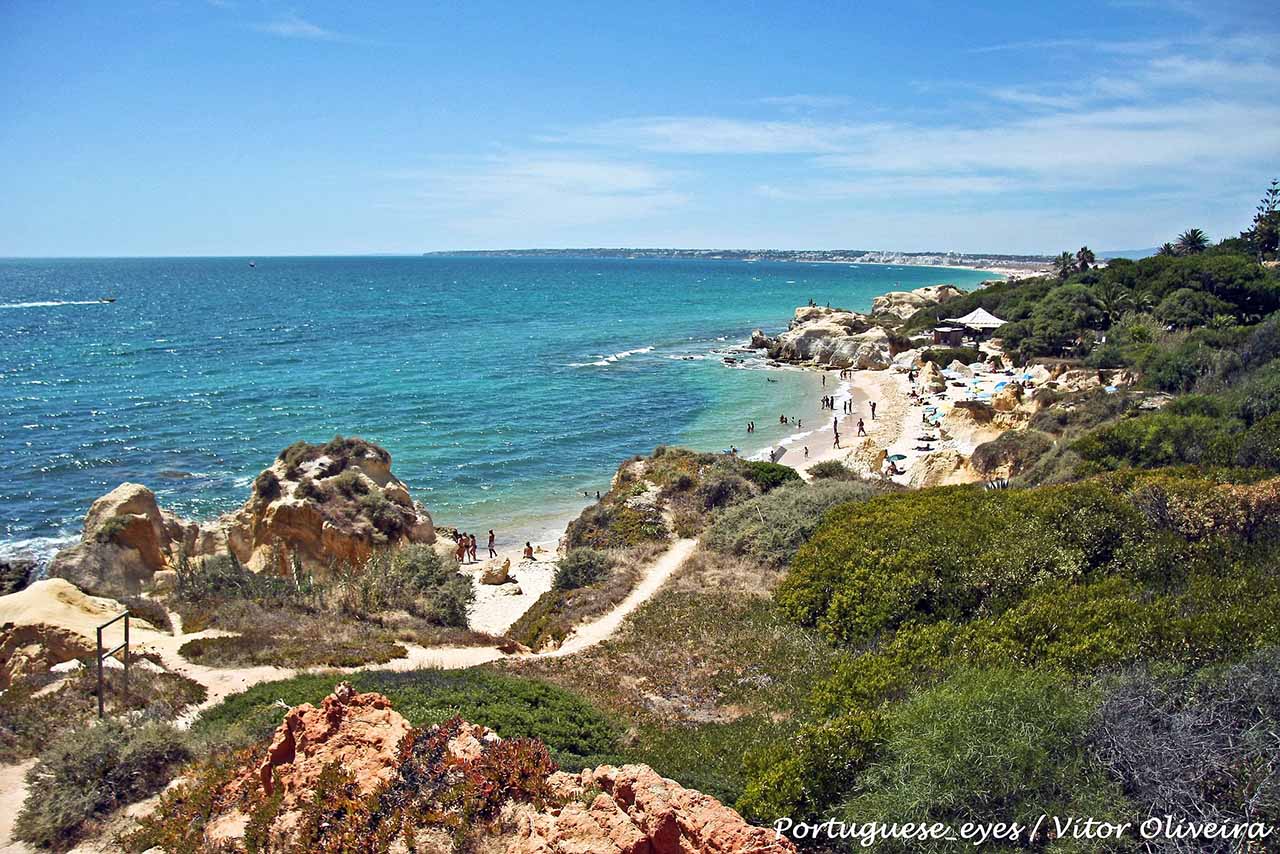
[[715, 135], [806, 102], [294, 27]]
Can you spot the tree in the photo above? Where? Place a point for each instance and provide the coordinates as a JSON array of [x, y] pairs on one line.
[[1265, 234], [1085, 258], [1065, 265], [1193, 241], [1113, 299], [1168, 250]]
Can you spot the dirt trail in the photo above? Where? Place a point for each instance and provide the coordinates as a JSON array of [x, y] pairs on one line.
[[221, 682]]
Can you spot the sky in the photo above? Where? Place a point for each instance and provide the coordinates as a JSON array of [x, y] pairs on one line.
[[256, 127]]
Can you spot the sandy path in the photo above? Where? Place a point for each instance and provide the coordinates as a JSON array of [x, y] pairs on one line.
[[13, 791]]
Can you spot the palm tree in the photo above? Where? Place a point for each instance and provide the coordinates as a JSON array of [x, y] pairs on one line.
[[1065, 265], [1114, 300], [1085, 258], [1168, 249], [1192, 242]]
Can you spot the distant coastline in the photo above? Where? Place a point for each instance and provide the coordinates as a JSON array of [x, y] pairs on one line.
[[1006, 265]]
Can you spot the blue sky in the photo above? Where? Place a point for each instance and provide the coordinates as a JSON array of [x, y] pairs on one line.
[[255, 127]]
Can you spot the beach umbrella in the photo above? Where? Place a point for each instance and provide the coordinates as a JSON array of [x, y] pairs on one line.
[[1001, 385], [896, 458]]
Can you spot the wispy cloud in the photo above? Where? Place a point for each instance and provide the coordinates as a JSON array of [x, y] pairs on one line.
[[720, 135], [537, 191], [293, 27], [806, 102]]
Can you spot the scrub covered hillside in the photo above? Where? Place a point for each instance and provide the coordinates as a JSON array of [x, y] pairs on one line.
[[1103, 638]]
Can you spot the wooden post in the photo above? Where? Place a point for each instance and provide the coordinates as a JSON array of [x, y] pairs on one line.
[[101, 706], [125, 683]]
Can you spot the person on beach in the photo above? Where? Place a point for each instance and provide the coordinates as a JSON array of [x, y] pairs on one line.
[[528, 551], [873, 410], [597, 495], [806, 452], [492, 551], [472, 548], [862, 429], [460, 551]]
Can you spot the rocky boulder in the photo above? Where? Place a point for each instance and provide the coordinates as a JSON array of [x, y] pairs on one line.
[[903, 304], [759, 341], [325, 505], [827, 342], [941, 468], [15, 573], [931, 379], [36, 648]]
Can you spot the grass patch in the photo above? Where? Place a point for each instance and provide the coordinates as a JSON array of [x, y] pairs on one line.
[[575, 731], [254, 649]]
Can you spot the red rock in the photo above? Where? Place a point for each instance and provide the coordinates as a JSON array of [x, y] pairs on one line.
[[359, 732]]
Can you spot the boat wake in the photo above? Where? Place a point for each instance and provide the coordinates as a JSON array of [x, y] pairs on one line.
[[53, 303]]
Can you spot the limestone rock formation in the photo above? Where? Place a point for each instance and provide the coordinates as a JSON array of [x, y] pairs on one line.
[[941, 468], [36, 648], [903, 304], [931, 379], [326, 505], [498, 574]]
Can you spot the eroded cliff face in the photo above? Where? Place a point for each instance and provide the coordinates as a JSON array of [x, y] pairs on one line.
[[903, 304], [450, 782], [327, 505], [826, 336]]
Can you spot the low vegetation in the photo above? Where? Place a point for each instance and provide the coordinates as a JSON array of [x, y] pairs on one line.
[[86, 772], [346, 618], [29, 722], [574, 731]]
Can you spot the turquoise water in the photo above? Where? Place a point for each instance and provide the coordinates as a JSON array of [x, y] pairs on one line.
[[503, 388]]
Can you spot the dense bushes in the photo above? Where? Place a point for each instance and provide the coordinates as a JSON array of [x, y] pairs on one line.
[[832, 470], [87, 772], [982, 744], [1070, 580], [769, 476], [580, 567], [943, 356], [769, 528], [1199, 746]]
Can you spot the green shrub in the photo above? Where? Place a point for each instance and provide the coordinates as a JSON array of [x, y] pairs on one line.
[[771, 527], [580, 567], [986, 745], [1260, 445], [832, 470], [251, 650], [769, 476], [1160, 439], [266, 486], [572, 728], [943, 356], [85, 773]]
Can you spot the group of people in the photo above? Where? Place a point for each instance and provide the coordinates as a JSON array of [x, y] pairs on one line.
[[467, 547]]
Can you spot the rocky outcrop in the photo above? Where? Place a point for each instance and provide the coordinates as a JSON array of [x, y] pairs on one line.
[[36, 648], [15, 573], [834, 337], [498, 574], [941, 468], [637, 812], [359, 732], [903, 304], [931, 379], [325, 505], [459, 781]]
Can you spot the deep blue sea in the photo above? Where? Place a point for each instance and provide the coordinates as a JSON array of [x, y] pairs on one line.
[[502, 387]]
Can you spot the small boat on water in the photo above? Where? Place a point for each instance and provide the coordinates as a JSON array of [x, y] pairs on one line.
[[106, 299], [253, 263]]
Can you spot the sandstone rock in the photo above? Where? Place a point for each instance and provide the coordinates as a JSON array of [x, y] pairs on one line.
[[639, 812], [498, 574], [759, 341], [940, 468], [164, 581], [931, 379], [27, 649], [14, 575], [359, 732], [324, 505], [826, 342], [1008, 398], [908, 359], [867, 458]]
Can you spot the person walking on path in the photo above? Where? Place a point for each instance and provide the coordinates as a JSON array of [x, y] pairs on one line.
[[492, 551], [862, 429], [873, 410]]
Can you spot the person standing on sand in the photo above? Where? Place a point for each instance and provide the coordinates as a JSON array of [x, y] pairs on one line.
[[873, 410], [460, 551], [862, 429], [806, 452], [472, 548], [492, 551]]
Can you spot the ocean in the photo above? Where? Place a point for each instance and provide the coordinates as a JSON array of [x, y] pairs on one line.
[[504, 388]]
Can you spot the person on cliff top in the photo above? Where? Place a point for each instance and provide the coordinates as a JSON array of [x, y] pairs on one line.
[[492, 551]]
